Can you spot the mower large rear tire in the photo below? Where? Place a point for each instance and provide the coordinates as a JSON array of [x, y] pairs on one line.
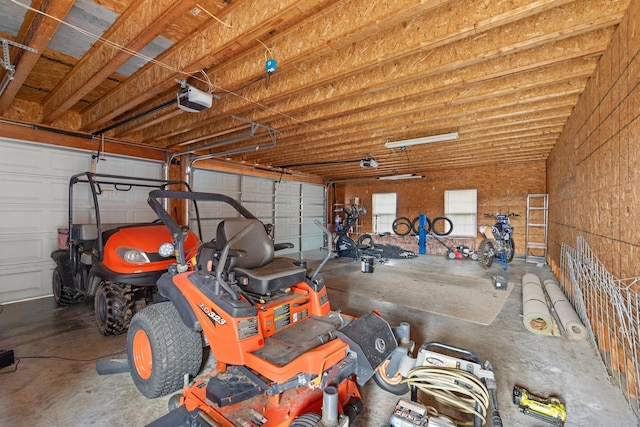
[[113, 307], [162, 350]]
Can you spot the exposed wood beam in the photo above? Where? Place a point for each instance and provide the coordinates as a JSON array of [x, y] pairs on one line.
[[250, 20], [520, 37], [37, 30], [137, 27], [395, 41]]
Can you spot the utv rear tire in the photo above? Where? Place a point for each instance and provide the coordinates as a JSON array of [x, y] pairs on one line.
[[113, 307], [486, 253], [63, 295], [162, 350]]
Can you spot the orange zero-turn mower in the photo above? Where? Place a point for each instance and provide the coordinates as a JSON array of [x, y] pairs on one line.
[[283, 357]]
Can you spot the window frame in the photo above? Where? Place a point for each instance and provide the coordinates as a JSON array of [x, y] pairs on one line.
[[387, 214], [461, 208]]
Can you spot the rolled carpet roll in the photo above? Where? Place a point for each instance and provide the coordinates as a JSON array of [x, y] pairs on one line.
[[535, 313], [569, 320]]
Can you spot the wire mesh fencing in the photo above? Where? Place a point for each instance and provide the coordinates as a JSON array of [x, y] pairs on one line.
[[608, 307]]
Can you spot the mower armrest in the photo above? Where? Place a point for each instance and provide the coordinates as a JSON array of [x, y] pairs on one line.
[[279, 246], [239, 253]]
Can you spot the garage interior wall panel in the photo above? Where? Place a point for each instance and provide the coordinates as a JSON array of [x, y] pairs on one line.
[[500, 187], [594, 169], [593, 173], [34, 189]]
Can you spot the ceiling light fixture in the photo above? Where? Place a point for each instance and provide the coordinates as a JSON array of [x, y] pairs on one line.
[[424, 140], [403, 176], [368, 163]]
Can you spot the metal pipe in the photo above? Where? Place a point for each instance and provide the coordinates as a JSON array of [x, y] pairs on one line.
[[254, 127], [136, 117], [330, 406]]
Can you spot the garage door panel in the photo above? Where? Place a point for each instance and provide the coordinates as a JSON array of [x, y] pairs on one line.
[[23, 218], [20, 283], [129, 166], [216, 182], [26, 249], [313, 211], [255, 185], [309, 228], [34, 191], [284, 203], [20, 189], [310, 244]]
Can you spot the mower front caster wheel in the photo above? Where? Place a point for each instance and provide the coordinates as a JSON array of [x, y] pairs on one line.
[[162, 350]]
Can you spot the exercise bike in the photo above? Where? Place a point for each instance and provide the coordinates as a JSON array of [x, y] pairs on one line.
[[344, 244]]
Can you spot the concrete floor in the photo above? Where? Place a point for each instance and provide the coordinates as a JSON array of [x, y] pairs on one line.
[[55, 382]]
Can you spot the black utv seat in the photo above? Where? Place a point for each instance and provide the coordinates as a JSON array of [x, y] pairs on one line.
[[255, 268]]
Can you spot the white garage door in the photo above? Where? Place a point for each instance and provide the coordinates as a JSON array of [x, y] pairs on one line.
[[291, 206], [34, 189]]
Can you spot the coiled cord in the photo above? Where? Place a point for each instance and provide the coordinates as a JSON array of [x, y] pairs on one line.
[[455, 388]]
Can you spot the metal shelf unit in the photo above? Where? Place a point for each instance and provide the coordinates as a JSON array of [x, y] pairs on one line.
[[537, 225]]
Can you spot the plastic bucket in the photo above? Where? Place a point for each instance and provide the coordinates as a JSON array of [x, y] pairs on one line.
[[367, 264], [63, 238]]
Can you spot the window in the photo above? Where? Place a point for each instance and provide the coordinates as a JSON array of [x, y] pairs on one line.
[[383, 212], [461, 207]]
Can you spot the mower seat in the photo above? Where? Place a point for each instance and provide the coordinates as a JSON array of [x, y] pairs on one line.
[[256, 270]]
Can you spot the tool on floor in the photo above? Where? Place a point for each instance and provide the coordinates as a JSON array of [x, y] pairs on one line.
[[436, 371], [499, 282], [550, 409]]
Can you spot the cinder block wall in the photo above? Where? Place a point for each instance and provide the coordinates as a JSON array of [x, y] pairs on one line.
[[593, 172], [501, 187]]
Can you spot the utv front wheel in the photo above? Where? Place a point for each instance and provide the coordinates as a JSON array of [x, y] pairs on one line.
[[113, 306], [162, 350]]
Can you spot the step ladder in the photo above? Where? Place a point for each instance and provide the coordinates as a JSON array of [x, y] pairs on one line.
[[536, 231]]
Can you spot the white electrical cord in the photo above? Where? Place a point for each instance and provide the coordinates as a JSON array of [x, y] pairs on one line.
[[458, 389]]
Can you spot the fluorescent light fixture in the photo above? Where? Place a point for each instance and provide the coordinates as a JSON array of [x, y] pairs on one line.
[[424, 140], [403, 176]]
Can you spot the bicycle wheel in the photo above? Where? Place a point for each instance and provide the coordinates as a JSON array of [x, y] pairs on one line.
[[415, 225], [441, 226], [401, 226]]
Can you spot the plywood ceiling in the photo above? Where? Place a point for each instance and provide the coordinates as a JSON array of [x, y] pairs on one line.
[[351, 75]]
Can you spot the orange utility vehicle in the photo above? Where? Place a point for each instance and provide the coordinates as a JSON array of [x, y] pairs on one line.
[[283, 357], [116, 263]]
